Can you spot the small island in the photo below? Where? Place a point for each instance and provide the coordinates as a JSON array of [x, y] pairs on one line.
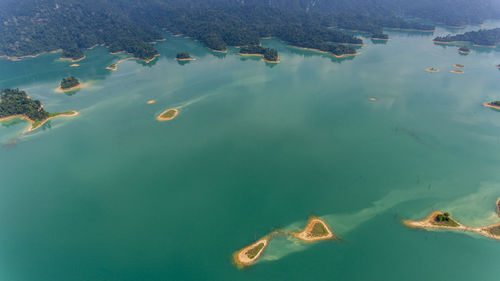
[[458, 65], [168, 114], [183, 56], [457, 71], [248, 255], [70, 84], [151, 101], [464, 50], [432, 69], [315, 230], [493, 104], [15, 103], [443, 220], [267, 54]]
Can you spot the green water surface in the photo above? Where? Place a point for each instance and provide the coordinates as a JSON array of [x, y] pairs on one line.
[[112, 194]]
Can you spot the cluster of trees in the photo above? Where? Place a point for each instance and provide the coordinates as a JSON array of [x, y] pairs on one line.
[[486, 37], [445, 217], [495, 103], [69, 82], [269, 54], [17, 102], [182, 55]]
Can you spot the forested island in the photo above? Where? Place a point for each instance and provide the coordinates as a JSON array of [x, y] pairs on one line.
[[31, 27], [183, 56], [269, 55], [483, 37], [16, 103], [70, 84]]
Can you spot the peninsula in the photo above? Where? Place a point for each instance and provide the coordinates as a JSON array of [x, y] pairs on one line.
[[184, 56], [15, 103], [493, 104], [483, 37], [168, 114], [267, 54], [315, 230], [442, 220], [248, 255], [69, 84]]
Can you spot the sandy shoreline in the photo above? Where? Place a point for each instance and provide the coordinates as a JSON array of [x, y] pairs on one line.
[[73, 60], [457, 71], [151, 101], [432, 70], [325, 52], [74, 65], [160, 118], [306, 236], [188, 59], [31, 128], [458, 66]]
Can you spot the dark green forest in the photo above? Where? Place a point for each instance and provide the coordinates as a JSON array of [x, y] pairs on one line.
[[34, 26], [69, 82], [182, 56], [17, 102], [484, 37]]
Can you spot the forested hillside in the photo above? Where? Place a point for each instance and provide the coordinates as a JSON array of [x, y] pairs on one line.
[[29, 27]]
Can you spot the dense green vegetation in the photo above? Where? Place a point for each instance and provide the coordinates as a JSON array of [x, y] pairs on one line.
[[445, 219], [269, 54], [73, 52], [495, 103], [17, 102], [485, 37], [34, 26], [182, 56], [495, 230], [252, 253], [69, 82], [319, 230]]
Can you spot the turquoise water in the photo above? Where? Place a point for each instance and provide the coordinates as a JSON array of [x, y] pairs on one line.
[[114, 195]]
